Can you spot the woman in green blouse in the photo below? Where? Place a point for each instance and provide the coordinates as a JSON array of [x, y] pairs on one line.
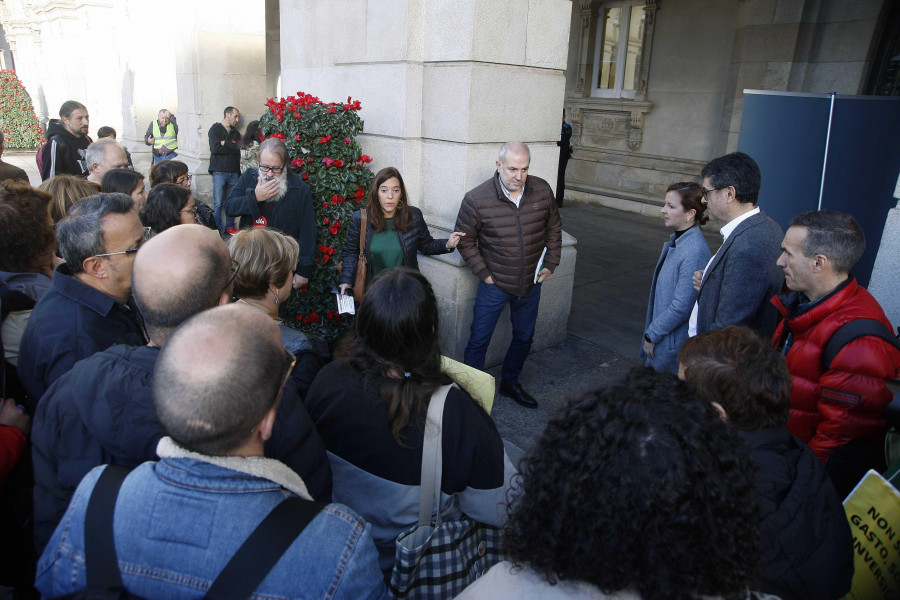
[[395, 231]]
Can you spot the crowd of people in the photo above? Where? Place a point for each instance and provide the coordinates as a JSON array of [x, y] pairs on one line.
[[148, 368]]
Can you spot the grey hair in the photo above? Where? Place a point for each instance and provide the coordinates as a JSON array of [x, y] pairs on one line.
[[514, 147], [96, 152], [835, 234], [80, 234], [275, 146], [162, 110]]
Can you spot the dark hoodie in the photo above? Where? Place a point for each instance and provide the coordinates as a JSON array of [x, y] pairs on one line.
[[64, 152], [101, 412], [808, 548]]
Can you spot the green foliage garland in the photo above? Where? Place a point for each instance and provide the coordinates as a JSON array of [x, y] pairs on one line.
[[21, 128], [321, 141]]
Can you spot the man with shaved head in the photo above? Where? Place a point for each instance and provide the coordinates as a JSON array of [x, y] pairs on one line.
[[180, 520], [509, 221], [101, 412]]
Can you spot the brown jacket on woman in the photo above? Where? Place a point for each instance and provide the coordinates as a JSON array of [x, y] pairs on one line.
[[505, 241]]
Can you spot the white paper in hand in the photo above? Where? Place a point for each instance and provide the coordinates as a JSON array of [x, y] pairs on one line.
[[345, 304], [540, 265]]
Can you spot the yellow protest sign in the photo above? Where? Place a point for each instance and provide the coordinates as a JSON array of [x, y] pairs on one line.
[[873, 508]]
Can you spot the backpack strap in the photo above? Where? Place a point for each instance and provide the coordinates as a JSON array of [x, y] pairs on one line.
[[851, 330], [101, 562], [262, 550]]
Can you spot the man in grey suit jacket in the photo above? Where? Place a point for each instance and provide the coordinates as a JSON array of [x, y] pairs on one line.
[[738, 281]]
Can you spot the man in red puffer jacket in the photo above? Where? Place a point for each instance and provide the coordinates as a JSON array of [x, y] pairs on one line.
[[839, 412]]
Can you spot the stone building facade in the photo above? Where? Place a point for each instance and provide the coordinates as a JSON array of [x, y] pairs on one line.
[[678, 99]]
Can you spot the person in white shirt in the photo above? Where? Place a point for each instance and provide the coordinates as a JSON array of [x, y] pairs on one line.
[[738, 281]]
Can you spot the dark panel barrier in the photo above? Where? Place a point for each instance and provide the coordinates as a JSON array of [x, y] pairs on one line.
[[786, 134]]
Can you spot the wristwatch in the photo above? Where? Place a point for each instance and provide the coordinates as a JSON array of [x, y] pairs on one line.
[[647, 337]]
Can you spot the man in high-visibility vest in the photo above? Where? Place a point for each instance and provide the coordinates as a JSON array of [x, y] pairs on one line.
[[162, 134]]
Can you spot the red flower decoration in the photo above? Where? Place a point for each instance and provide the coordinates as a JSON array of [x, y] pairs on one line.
[[297, 162], [306, 176], [365, 158], [338, 163], [324, 139], [325, 221]]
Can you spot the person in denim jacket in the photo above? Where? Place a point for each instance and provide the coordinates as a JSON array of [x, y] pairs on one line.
[[180, 520]]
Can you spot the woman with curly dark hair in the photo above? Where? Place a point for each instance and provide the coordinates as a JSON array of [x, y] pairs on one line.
[[637, 490], [168, 205], [370, 405]]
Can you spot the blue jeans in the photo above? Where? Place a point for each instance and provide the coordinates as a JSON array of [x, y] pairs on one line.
[[169, 156], [222, 186], [489, 303]]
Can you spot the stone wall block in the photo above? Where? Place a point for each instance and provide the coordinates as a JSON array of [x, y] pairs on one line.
[[447, 91], [887, 264], [843, 42], [750, 76], [736, 115], [211, 52], [840, 77], [448, 30], [532, 115], [847, 10], [245, 54], [777, 76], [806, 39], [756, 12], [547, 34], [789, 11], [386, 30], [501, 31], [769, 42]]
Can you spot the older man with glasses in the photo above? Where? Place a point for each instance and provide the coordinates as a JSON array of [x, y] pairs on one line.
[[87, 308], [274, 197]]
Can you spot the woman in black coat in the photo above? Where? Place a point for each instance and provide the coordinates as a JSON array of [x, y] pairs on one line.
[[395, 231]]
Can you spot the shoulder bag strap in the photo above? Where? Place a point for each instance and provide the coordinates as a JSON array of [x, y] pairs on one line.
[[430, 486], [851, 330], [101, 562], [362, 236], [262, 550]]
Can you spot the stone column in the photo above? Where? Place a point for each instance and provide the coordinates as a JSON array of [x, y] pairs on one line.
[[883, 284], [220, 61], [443, 85]]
